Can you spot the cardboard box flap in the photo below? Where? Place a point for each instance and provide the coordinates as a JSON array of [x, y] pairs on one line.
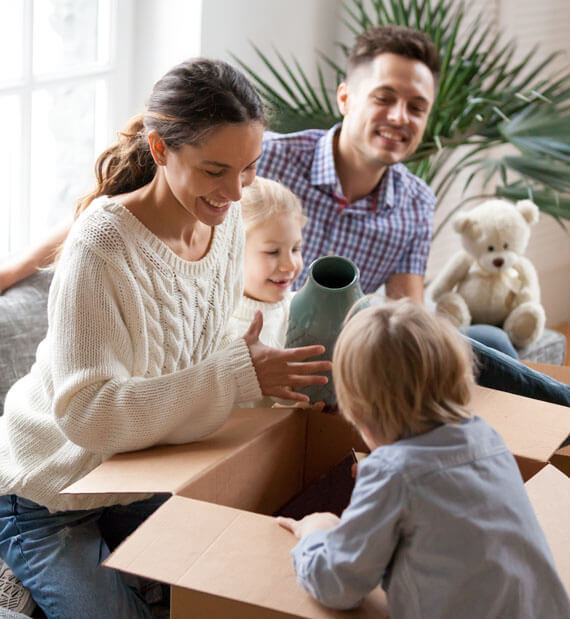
[[561, 460], [549, 493], [169, 468], [227, 553], [530, 428]]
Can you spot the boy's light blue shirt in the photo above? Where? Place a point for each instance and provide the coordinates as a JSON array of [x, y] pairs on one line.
[[443, 522]]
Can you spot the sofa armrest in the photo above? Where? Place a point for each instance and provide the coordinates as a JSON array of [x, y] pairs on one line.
[[23, 324]]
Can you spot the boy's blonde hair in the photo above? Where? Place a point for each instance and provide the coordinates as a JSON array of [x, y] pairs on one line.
[[399, 370], [265, 198]]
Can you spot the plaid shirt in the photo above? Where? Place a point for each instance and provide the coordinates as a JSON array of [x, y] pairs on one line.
[[388, 231]]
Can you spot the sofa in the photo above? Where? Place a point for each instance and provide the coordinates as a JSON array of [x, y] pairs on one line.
[[23, 324]]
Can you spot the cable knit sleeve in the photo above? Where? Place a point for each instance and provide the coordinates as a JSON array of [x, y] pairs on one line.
[[106, 398]]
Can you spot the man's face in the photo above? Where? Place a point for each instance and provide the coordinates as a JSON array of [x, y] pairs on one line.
[[385, 104]]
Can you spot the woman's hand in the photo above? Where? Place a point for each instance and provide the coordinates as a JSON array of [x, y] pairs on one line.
[[319, 521], [280, 371]]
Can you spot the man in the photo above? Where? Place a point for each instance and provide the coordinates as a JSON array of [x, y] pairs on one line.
[[362, 202]]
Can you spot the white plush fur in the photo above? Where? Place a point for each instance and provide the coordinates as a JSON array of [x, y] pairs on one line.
[[490, 281]]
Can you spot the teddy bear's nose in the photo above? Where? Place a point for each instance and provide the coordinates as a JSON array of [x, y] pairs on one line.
[[498, 262]]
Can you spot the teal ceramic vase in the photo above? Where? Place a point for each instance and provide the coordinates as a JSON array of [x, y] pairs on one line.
[[318, 310]]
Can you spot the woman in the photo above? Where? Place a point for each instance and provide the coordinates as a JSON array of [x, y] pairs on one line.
[[136, 351]]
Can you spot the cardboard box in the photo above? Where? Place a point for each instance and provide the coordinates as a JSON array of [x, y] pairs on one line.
[[549, 493], [251, 463], [222, 561], [532, 429], [561, 460], [257, 462]]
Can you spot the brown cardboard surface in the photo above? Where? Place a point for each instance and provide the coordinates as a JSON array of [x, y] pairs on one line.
[[558, 372], [561, 460], [549, 493], [261, 474], [531, 429], [170, 468], [329, 439], [227, 560]]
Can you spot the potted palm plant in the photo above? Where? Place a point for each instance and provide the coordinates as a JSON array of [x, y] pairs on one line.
[[485, 100]]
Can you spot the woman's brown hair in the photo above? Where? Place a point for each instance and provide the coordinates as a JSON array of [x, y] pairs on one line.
[[185, 105]]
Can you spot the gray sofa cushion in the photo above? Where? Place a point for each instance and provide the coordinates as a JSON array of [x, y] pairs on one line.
[[550, 348], [23, 324]]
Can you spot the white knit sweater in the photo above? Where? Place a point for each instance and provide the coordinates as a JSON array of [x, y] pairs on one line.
[[275, 316], [137, 353]]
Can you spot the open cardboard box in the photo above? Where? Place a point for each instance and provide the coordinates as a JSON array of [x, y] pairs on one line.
[[561, 457], [223, 561], [549, 493], [533, 430]]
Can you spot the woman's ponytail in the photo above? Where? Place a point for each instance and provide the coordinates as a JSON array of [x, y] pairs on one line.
[[123, 167], [191, 100]]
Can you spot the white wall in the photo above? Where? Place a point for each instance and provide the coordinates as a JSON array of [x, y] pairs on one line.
[[294, 27], [169, 31], [166, 32]]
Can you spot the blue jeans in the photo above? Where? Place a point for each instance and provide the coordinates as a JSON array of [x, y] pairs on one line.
[[58, 556], [493, 337], [499, 371]]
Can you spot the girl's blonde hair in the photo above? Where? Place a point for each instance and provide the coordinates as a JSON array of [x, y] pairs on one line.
[[399, 370], [265, 198]]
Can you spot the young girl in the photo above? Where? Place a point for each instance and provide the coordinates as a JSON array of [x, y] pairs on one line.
[[273, 219], [439, 515], [138, 350]]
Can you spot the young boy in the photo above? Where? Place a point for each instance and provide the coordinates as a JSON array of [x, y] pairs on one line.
[[439, 515]]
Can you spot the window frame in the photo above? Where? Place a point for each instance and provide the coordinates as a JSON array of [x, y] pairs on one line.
[[116, 71]]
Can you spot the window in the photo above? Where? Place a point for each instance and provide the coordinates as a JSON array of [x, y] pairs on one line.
[[60, 62]]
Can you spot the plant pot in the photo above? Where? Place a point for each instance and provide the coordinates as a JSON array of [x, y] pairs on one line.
[[318, 311]]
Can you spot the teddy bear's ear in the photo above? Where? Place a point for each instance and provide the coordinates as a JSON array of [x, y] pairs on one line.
[[464, 224], [528, 210]]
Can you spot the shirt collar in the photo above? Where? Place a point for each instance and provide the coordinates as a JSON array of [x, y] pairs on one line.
[[323, 171], [386, 189]]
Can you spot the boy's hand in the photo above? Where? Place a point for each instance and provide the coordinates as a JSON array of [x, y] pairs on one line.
[[319, 521], [280, 371]]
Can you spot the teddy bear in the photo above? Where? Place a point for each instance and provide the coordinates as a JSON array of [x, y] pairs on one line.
[[490, 281]]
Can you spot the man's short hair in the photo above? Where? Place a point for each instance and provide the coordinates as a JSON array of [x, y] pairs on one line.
[[398, 40]]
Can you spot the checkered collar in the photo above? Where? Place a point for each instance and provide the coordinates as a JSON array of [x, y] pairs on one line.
[[323, 172]]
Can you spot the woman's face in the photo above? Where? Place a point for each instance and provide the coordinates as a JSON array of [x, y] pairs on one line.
[[206, 179]]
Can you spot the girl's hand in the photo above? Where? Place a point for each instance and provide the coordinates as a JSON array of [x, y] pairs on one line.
[[280, 371], [319, 521]]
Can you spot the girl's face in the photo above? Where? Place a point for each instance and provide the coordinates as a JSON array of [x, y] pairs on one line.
[[273, 258], [206, 179]]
